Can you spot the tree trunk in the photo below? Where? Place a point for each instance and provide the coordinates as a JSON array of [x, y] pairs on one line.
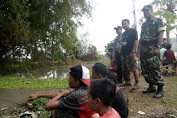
[[168, 36]]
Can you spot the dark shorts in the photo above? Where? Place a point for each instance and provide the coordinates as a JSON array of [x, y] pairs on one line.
[[129, 64], [63, 113]]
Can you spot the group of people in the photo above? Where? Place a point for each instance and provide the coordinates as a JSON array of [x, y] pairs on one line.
[[127, 50], [168, 57], [100, 97]]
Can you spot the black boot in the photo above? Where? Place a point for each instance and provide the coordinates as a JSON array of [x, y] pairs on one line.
[[159, 93], [151, 89]]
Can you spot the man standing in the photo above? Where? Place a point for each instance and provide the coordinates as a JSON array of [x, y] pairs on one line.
[[117, 52], [128, 53], [149, 50]]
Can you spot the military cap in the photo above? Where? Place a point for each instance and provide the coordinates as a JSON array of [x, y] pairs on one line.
[[147, 7], [118, 27]]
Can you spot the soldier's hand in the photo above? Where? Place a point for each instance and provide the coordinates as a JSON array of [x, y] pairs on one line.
[[156, 51]]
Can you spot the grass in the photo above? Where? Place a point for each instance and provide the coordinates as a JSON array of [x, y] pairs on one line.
[[171, 90], [17, 82]]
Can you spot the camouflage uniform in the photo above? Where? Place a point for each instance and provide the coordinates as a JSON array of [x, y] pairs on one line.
[[150, 63], [129, 64]]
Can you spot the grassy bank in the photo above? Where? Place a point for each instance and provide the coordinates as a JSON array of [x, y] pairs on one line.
[[17, 82]]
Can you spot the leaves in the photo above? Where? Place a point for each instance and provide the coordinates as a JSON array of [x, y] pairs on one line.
[[109, 49], [48, 28], [166, 11]]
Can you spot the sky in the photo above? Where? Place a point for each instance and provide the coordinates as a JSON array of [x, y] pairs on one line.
[[106, 15]]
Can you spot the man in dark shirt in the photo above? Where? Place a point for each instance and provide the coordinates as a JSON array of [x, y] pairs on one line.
[[119, 103], [70, 103], [128, 57]]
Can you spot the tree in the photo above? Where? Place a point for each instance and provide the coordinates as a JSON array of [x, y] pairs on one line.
[[48, 28], [86, 50], [109, 49], [166, 9]]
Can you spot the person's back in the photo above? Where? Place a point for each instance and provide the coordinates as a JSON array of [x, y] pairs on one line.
[[112, 114], [169, 54], [119, 103], [162, 51], [77, 101]]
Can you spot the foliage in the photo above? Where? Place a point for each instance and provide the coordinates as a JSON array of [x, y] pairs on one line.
[[39, 30], [166, 10], [87, 51], [109, 49], [17, 82]]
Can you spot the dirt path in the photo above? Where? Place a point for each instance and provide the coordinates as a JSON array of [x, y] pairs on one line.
[[9, 98], [153, 108]]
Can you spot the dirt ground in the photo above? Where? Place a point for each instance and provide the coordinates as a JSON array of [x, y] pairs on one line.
[[165, 107]]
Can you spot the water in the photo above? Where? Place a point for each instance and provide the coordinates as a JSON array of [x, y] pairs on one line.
[[61, 73]]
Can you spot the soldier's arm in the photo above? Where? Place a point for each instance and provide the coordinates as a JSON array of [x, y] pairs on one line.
[[160, 29], [160, 38]]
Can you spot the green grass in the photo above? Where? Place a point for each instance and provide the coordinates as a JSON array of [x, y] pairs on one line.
[[17, 82]]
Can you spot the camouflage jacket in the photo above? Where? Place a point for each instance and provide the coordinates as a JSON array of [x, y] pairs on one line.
[[150, 30]]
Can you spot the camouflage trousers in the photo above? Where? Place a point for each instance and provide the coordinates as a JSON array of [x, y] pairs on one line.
[[150, 65], [129, 64]]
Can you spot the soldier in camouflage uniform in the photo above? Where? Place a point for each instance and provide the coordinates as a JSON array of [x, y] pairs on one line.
[[149, 50]]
